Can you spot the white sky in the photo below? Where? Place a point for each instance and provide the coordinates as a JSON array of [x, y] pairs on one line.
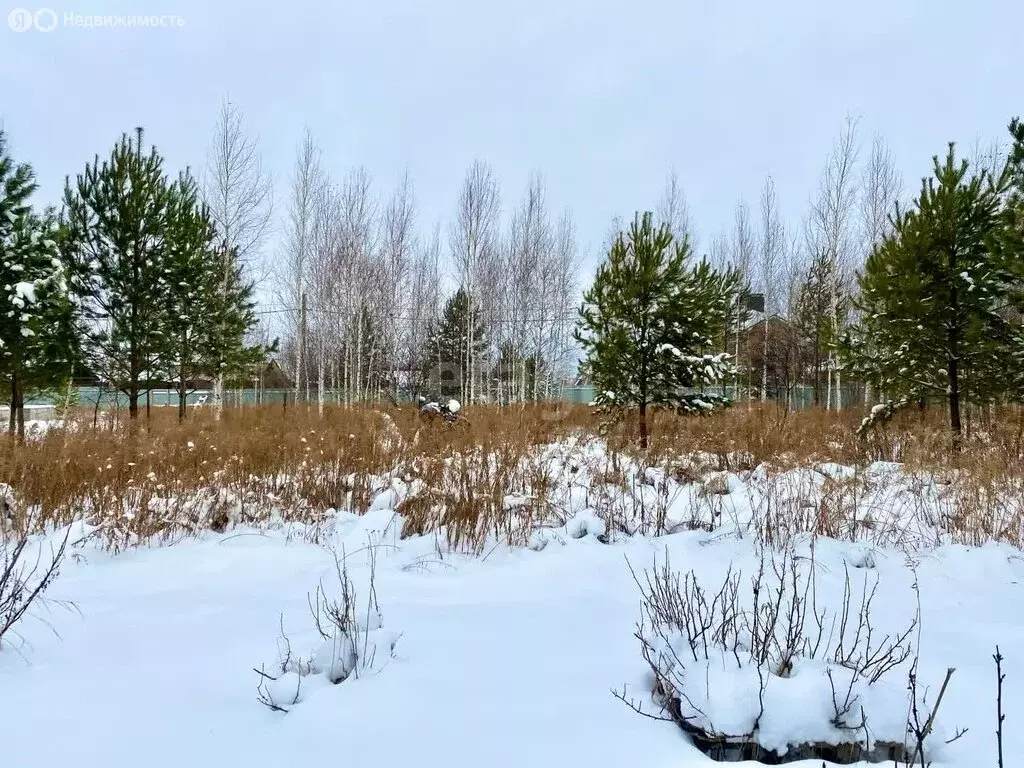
[[602, 97]]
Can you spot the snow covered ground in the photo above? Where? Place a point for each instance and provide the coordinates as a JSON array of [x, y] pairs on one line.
[[508, 659], [38, 419]]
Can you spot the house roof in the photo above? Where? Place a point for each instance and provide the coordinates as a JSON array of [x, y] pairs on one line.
[[753, 323]]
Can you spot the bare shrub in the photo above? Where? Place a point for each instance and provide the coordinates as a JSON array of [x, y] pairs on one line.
[[353, 640], [691, 638], [25, 576]]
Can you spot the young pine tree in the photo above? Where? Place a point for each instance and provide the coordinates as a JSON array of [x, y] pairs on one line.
[[935, 295], [37, 331], [1010, 256], [648, 319], [117, 219], [445, 358], [208, 310]]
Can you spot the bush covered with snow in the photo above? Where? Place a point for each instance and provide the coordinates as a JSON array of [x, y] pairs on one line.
[[353, 643], [761, 668]]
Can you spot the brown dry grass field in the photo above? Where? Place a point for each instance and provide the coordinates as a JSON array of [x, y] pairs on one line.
[[160, 480]]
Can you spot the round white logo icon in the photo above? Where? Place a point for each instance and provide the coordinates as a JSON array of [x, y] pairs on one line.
[[45, 19], [20, 20]]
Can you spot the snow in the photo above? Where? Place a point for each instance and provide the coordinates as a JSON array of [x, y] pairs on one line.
[[24, 293], [506, 660], [39, 420]]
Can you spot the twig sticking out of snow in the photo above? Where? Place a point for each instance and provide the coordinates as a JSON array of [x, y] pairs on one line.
[[24, 581], [915, 727], [268, 699], [1000, 717], [354, 643]]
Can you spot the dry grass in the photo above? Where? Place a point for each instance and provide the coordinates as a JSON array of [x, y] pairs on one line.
[[159, 481]]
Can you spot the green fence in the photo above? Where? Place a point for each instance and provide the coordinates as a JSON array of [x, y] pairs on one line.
[[799, 398]]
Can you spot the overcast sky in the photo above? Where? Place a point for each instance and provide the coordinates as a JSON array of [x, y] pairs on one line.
[[603, 98]]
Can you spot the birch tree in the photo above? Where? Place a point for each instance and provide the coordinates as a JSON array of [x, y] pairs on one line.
[[566, 293], [743, 254], [322, 283], [238, 195], [674, 209], [881, 188], [831, 235], [398, 252], [306, 188], [424, 305], [359, 276], [772, 254], [474, 246], [529, 259]]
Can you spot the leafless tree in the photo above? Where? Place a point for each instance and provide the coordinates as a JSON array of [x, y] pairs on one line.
[[988, 157], [306, 189], [529, 253], [674, 210], [358, 271], [616, 228], [831, 235], [566, 295], [718, 252], [424, 302], [881, 187], [743, 252], [794, 266], [239, 196], [474, 246], [772, 254], [325, 244], [236, 189], [398, 249]]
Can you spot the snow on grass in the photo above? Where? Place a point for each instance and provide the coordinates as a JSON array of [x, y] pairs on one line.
[[507, 660]]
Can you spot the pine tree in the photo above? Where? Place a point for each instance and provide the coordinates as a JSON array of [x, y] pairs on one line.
[[37, 332], [934, 297], [235, 349], [446, 361], [191, 287], [208, 312], [1010, 256], [117, 221], [648, 320]]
